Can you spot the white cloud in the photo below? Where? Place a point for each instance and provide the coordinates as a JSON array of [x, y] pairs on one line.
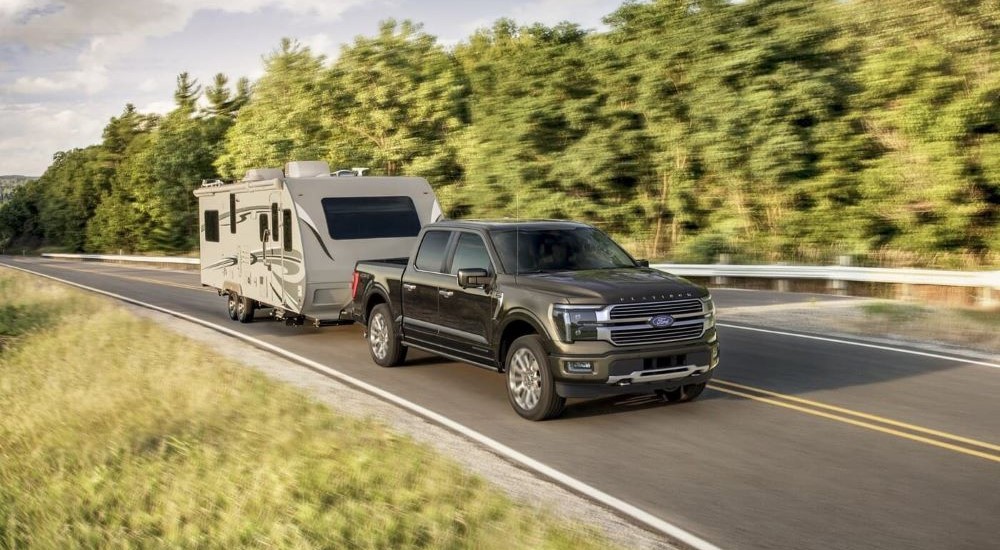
[[322, 43], [150, 85], [158, 107], [32, 132], [551, 12], [106, 30]]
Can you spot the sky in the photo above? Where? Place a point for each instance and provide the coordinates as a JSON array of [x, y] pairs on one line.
[[68, 66]]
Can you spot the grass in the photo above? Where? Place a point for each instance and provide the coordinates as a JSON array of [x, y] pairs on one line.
[[117, 434], [989, 318], [896, 312]]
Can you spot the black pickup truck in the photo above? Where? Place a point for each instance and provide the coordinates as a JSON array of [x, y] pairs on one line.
[[558, 306]]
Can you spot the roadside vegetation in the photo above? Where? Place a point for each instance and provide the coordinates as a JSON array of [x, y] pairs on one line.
[[117, 434], [770, 130]]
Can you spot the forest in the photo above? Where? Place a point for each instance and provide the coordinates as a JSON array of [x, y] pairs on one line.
[[768, 130]]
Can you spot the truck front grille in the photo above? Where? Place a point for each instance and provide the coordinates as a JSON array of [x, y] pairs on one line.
[[650, 335], [649, 309]]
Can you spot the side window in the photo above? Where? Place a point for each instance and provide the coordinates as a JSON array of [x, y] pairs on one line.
[[263, 227], [430, 255], [274, 221], [232, 212], [212, 226], [286, 229], [470, 253]]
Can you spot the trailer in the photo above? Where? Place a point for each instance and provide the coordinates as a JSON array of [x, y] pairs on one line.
[[288, 240]]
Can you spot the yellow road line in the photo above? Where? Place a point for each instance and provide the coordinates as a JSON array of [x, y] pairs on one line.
[[130, 277], [860, 424], [876, 418]]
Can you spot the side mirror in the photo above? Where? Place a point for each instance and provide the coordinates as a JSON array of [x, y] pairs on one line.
[[642, 263], [473, 278]]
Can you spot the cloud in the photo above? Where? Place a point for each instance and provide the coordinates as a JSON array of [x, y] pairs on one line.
[[150, 85], [32, 132], [105, 30], [158, 107], [551, 12], [322, 43]]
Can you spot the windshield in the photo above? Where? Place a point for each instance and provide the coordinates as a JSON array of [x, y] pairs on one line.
[[575, 249]]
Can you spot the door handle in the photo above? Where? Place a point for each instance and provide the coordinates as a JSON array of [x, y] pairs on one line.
[[408, 287], [446, 293]]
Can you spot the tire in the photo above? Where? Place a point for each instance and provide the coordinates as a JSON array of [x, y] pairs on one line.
[[244, 309], [682, 394], [384, 342], [232, 300], [531, 389]]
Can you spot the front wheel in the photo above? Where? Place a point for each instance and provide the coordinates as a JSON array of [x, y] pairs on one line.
[[384, 342], [530, 387], [682, 394]]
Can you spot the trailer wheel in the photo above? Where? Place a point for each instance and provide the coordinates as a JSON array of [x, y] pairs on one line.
[[244, 309], [384, 342], [232, 306]]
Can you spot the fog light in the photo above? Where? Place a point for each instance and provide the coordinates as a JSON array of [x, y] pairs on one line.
[[579, 367]]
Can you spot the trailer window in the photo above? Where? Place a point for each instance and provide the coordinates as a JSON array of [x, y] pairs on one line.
[[371, 217], [232, 212], [286, 229], [263, 228], [212, 226], [274, 221]]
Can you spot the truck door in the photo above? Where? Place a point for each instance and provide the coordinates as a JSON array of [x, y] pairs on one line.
[[467, 314], [421, 281]]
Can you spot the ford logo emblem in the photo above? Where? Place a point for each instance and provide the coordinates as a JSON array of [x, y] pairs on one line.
[[661, 321]]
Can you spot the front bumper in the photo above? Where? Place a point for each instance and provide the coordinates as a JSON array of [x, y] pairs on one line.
[[622, 370]]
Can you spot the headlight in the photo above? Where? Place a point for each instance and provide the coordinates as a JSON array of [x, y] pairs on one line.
[[576, 322], [710, 317]]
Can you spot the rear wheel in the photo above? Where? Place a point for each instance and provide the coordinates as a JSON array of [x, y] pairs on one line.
[[384, 342], [530, 387], [244, 309], [232, 300]]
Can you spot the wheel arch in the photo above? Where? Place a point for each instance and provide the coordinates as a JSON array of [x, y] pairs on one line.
[[516, 325]]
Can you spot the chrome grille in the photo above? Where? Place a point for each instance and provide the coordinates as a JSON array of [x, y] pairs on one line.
[[649, 309], [650, 335]]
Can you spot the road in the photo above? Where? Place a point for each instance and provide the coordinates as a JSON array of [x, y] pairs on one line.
[[800, 443]]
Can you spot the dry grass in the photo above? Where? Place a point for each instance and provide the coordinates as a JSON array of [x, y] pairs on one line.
[[117, 434]]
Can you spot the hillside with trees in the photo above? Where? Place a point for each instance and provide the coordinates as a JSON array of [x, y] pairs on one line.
[[772, 130]]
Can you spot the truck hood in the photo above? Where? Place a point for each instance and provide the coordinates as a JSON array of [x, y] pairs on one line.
[[612, 286]]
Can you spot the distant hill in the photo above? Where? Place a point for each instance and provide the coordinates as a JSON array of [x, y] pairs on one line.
[[9, 183]]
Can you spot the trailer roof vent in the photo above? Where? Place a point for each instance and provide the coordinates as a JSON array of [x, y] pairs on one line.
[[261, 174], [307, 169]]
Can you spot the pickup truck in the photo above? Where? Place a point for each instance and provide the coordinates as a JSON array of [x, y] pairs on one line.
[[558, 307]]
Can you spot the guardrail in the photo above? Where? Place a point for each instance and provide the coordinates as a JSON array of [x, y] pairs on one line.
[[979, 279], [121, 258], [836, 278]]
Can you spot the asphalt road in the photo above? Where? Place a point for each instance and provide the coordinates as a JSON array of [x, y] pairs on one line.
[[799, 444]]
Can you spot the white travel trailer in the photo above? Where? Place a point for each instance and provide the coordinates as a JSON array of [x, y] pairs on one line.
[[289, 240]]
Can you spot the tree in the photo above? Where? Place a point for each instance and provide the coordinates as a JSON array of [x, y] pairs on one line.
[[283, 119], [396, 99]]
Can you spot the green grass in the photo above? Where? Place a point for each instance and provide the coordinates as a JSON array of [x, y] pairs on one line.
[[986, 317], [117, 434], [895, 312]]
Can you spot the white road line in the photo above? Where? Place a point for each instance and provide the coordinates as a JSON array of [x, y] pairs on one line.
[[620, 506], [864, 345]]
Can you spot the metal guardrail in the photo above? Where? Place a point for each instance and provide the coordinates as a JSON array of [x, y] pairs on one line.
[[121, 258], [978, 279]]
